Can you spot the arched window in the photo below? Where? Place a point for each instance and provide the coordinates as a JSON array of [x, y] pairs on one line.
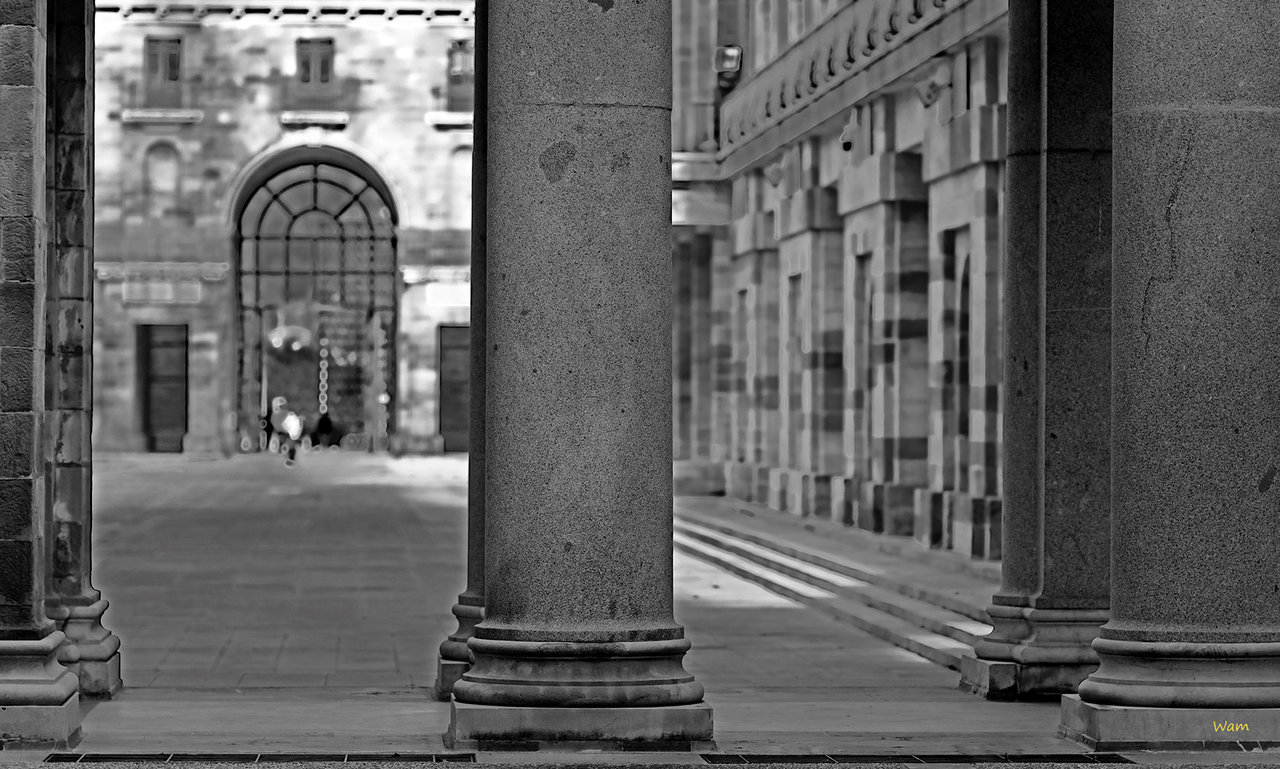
[[459, 192], [162, 180]]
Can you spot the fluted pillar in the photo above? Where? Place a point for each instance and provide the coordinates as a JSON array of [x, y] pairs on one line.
[[91, 650], [1191, 653], [454, 657], [578, 643], [39, 702], [1054, 590]]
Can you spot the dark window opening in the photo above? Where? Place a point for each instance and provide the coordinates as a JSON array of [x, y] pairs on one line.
[[163, 72], [315, 61], [462, 76]]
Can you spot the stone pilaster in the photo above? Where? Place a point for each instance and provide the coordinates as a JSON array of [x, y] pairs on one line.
[[811, 341], [1054, 591], [884, 205], [963, 147], [91, 650], [1191, 653], [455, 657], [39, 702], [753, 299], [578, 644]]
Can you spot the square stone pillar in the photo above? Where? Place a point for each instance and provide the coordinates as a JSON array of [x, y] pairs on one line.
[[39, 703], [91, 650], [579, 645], [1057, 489], [455, 658], [1190, 656]]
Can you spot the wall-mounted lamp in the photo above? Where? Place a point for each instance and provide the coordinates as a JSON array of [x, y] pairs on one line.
[[727, 62], [931, 88]]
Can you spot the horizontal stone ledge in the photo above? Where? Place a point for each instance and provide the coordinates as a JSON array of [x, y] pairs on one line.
[[472, 727]]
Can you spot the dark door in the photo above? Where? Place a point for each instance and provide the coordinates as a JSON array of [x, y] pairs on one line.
[[455, 386], [162, 371]]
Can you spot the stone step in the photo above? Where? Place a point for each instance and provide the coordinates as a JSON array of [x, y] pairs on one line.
[[865, 587], [936, 584], [941, 649]]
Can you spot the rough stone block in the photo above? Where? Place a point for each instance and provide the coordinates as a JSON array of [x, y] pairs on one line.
[[23, 12], [17, 575], [17, 445], [18, 311], [18, 118], [21, 55], [16, 370], [15, 508], [18, 250], [17, 183]]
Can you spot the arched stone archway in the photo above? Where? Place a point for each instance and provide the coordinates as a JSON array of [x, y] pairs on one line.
[[315, 247]]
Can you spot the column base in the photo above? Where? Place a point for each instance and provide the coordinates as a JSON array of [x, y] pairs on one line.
[[39, 698], [1005, 681], [1121, 727], [1035, 653], [499, 727], [447, 674], [91, 651]]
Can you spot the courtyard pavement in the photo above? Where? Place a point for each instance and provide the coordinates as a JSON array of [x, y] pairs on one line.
[[263, 609]]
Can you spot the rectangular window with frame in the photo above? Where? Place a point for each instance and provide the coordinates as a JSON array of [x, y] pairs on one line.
[[315, 62], [163, 71]]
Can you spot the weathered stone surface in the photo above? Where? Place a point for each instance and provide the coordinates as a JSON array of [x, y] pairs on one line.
[[1196, 292]]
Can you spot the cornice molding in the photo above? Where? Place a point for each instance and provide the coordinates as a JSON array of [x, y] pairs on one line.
[[452, 12], [832, 55]]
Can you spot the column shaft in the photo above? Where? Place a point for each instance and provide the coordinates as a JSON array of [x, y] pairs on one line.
[[39, 702], [73, 603], [1194, 634], [1054, 594], [578, 642], [455, 657]]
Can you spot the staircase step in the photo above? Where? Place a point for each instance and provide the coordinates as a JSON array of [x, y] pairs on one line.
[[919, 613], [934, 647], [962, 594]]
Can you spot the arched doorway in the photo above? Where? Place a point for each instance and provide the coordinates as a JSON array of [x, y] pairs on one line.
[[317, 297]]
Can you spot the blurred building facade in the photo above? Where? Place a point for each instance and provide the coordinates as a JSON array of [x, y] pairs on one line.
[[280, 176], [838, 340]]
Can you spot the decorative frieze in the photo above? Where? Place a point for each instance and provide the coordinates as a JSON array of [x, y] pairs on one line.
[[839, 56]]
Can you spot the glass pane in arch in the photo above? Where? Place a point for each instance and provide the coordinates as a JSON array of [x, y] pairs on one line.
[[290, 176], [332, 198], [275, 223], [299, 197]]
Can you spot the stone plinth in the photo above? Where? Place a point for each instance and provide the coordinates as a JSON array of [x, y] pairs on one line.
[[480, 727], [1116, 727], [39, 703], [91, 651]]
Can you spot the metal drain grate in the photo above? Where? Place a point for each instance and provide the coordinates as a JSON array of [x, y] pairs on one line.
[[906, 758], [256, 758]]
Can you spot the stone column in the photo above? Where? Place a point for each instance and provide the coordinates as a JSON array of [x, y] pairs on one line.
[[39, 702], [455, 657], [91, 650], [1191, 652], [579, 643], [1054, 591]]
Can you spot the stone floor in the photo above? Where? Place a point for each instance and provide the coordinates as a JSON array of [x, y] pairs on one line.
[[266, 610]]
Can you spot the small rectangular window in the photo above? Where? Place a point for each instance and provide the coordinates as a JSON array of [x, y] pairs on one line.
[[315, 61], [163, 71]]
